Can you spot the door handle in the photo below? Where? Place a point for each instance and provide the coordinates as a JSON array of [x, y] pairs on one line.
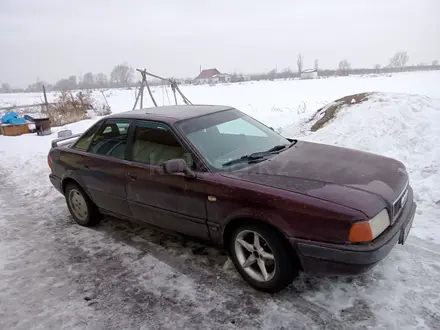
[[86, 167], [132, 177]]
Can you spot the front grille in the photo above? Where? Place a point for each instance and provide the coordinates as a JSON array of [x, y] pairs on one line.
[[399, 203]]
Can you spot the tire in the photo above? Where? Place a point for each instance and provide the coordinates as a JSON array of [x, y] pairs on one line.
[[280, 271], [80, 206]]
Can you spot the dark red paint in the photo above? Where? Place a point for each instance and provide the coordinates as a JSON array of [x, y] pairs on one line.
[[310, 193]]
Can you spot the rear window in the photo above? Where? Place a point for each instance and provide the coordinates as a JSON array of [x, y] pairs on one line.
[[111, 140], [82, 144]]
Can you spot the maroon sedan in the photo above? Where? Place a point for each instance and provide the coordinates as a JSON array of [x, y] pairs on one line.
[[278, 205]]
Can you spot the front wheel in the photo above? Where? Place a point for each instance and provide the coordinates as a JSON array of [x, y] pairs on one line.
[[261, 258], [81, 207]]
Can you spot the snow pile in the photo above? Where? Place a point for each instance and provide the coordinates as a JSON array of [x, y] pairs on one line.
[[402, 126]]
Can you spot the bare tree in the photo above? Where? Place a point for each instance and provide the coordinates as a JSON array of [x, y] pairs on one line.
[[435, 63], [399, 60], [36, 87], [285, 74], [66, 84], [6, 88], [101, 80], [272, 74], [316, 64], [88, 80], [344, 66], [377, 67], [299, 63], [122, 75]]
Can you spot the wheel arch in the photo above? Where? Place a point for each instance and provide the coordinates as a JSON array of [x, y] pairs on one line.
[[68, 179]]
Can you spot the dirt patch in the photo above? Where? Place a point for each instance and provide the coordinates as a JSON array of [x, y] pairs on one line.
[[329, 111]]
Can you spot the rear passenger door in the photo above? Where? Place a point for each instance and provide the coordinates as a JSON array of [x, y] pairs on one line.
[[169, 201], [102, 166]]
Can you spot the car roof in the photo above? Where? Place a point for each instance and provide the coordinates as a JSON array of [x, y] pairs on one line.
[[171, 113]]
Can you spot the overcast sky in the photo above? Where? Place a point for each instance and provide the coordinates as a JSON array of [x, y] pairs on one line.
[[52, 39]]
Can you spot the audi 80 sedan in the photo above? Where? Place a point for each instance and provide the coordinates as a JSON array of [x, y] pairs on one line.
[[277, 205]]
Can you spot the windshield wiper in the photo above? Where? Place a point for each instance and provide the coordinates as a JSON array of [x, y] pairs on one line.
[[243, 159], [253, 157], [278, 147], [274, 150]]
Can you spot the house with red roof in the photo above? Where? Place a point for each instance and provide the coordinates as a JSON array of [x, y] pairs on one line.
[[212, 76]]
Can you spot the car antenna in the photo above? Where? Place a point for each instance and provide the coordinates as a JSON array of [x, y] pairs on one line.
[[144, 83]]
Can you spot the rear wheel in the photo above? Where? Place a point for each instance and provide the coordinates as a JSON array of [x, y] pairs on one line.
[[261, 258], [81, 207]]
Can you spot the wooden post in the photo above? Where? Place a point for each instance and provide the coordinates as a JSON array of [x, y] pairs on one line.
[[141, 91], [173, 88], [149, 91], [144, 83], [137, 99], [45, 98]]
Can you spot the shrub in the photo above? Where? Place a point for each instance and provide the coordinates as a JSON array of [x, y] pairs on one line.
[[69, 108]]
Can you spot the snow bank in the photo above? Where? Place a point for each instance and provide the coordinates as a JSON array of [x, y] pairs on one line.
[[401, 126]]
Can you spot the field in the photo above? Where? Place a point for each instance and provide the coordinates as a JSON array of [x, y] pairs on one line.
[[55, 274]]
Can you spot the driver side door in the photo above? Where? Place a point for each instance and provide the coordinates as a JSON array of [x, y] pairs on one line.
[[173, 202]]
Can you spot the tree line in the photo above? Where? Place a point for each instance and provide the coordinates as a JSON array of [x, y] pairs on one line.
[[397, 63], [123, 75]]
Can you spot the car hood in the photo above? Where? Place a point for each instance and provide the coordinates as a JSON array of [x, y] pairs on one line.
[[314, 169]]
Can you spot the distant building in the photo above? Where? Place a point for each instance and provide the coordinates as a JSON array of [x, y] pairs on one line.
[[206, 76], [221, 77], [309, 74]]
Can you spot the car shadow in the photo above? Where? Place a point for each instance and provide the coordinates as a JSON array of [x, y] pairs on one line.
[[170, 248], [173, 248]]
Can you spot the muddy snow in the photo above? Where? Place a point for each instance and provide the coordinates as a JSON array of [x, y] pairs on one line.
[[55, 274]]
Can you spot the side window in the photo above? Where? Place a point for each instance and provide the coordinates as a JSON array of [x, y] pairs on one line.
[[123, 128], [84, 141], [154, 143], [112, 139]]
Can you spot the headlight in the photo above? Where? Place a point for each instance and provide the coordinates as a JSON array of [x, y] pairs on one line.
[[367, 231]]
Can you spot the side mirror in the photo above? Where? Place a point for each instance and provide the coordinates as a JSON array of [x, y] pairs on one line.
[[177, 166], [272, 128]]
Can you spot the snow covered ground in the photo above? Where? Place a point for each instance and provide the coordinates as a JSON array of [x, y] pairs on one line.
[[55, 274]]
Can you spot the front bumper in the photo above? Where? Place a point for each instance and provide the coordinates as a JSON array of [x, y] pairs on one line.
[[337, 259]]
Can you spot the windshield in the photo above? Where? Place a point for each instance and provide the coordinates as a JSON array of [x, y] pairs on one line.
[[228, 135]]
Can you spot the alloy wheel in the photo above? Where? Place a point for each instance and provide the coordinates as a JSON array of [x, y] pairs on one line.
[[255, 255]]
